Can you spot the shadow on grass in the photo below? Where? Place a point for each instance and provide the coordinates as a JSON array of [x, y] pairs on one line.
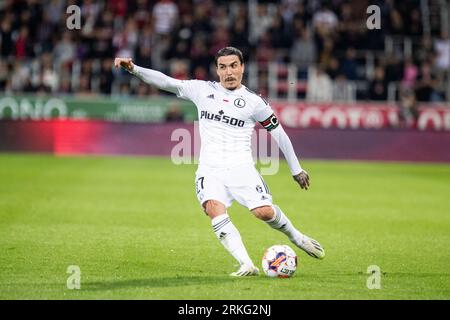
[[164, 282]]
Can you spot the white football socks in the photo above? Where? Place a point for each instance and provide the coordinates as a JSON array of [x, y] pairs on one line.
[[230, 238], [282, 223]]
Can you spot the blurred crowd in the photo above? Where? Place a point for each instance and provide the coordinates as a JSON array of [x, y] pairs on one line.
[[39, 53]]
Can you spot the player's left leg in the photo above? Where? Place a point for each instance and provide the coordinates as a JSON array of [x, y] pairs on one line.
[[247, 186], [274, 217]]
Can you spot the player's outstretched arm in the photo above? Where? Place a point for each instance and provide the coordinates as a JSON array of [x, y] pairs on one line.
[[285, 145], [149, 76]]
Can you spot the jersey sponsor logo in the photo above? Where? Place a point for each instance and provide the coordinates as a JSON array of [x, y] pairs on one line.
[[221, 117], [211, 96], [239, 102]]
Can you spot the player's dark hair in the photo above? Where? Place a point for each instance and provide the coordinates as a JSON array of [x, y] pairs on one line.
[[229, 51]]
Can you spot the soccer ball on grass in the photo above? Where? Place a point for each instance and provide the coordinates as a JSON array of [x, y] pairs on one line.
[[279, 261]]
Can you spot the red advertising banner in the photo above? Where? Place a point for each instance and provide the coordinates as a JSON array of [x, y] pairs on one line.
[[359, 116], [68, 137]]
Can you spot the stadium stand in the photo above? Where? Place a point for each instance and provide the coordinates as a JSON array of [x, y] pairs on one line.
[[291, 46]]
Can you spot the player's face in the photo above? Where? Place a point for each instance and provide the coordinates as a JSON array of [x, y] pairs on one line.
[[230, 71]]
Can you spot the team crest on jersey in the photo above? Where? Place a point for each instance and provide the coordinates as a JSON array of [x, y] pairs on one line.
[[239, 102], [259, 188]]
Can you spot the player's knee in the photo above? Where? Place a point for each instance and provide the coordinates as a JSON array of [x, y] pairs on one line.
[[264, 213], [214, 208]]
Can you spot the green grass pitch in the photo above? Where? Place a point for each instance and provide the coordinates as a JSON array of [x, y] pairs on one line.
[[136, 231]]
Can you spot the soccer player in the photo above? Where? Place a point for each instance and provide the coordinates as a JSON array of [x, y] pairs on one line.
[[227, 113]]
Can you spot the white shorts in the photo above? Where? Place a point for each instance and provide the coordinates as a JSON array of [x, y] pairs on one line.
[[243, 184]]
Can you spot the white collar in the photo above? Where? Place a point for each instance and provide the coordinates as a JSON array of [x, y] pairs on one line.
[[235, 91]]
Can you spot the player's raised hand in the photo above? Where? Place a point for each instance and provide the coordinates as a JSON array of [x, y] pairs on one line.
[[125, 63], [302, 179]]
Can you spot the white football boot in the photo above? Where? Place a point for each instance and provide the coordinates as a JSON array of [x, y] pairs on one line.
[[245, 271], [310, 246]]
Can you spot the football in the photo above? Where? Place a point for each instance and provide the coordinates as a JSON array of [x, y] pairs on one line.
[[279, 261]]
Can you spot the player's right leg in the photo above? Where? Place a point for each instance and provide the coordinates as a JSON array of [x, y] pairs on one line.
[[214, 199], [229, 236]]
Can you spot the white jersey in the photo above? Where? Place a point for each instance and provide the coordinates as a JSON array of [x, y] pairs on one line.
[[226, 121]]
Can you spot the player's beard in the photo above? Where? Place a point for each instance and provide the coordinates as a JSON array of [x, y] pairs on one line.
[[228, 84]]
